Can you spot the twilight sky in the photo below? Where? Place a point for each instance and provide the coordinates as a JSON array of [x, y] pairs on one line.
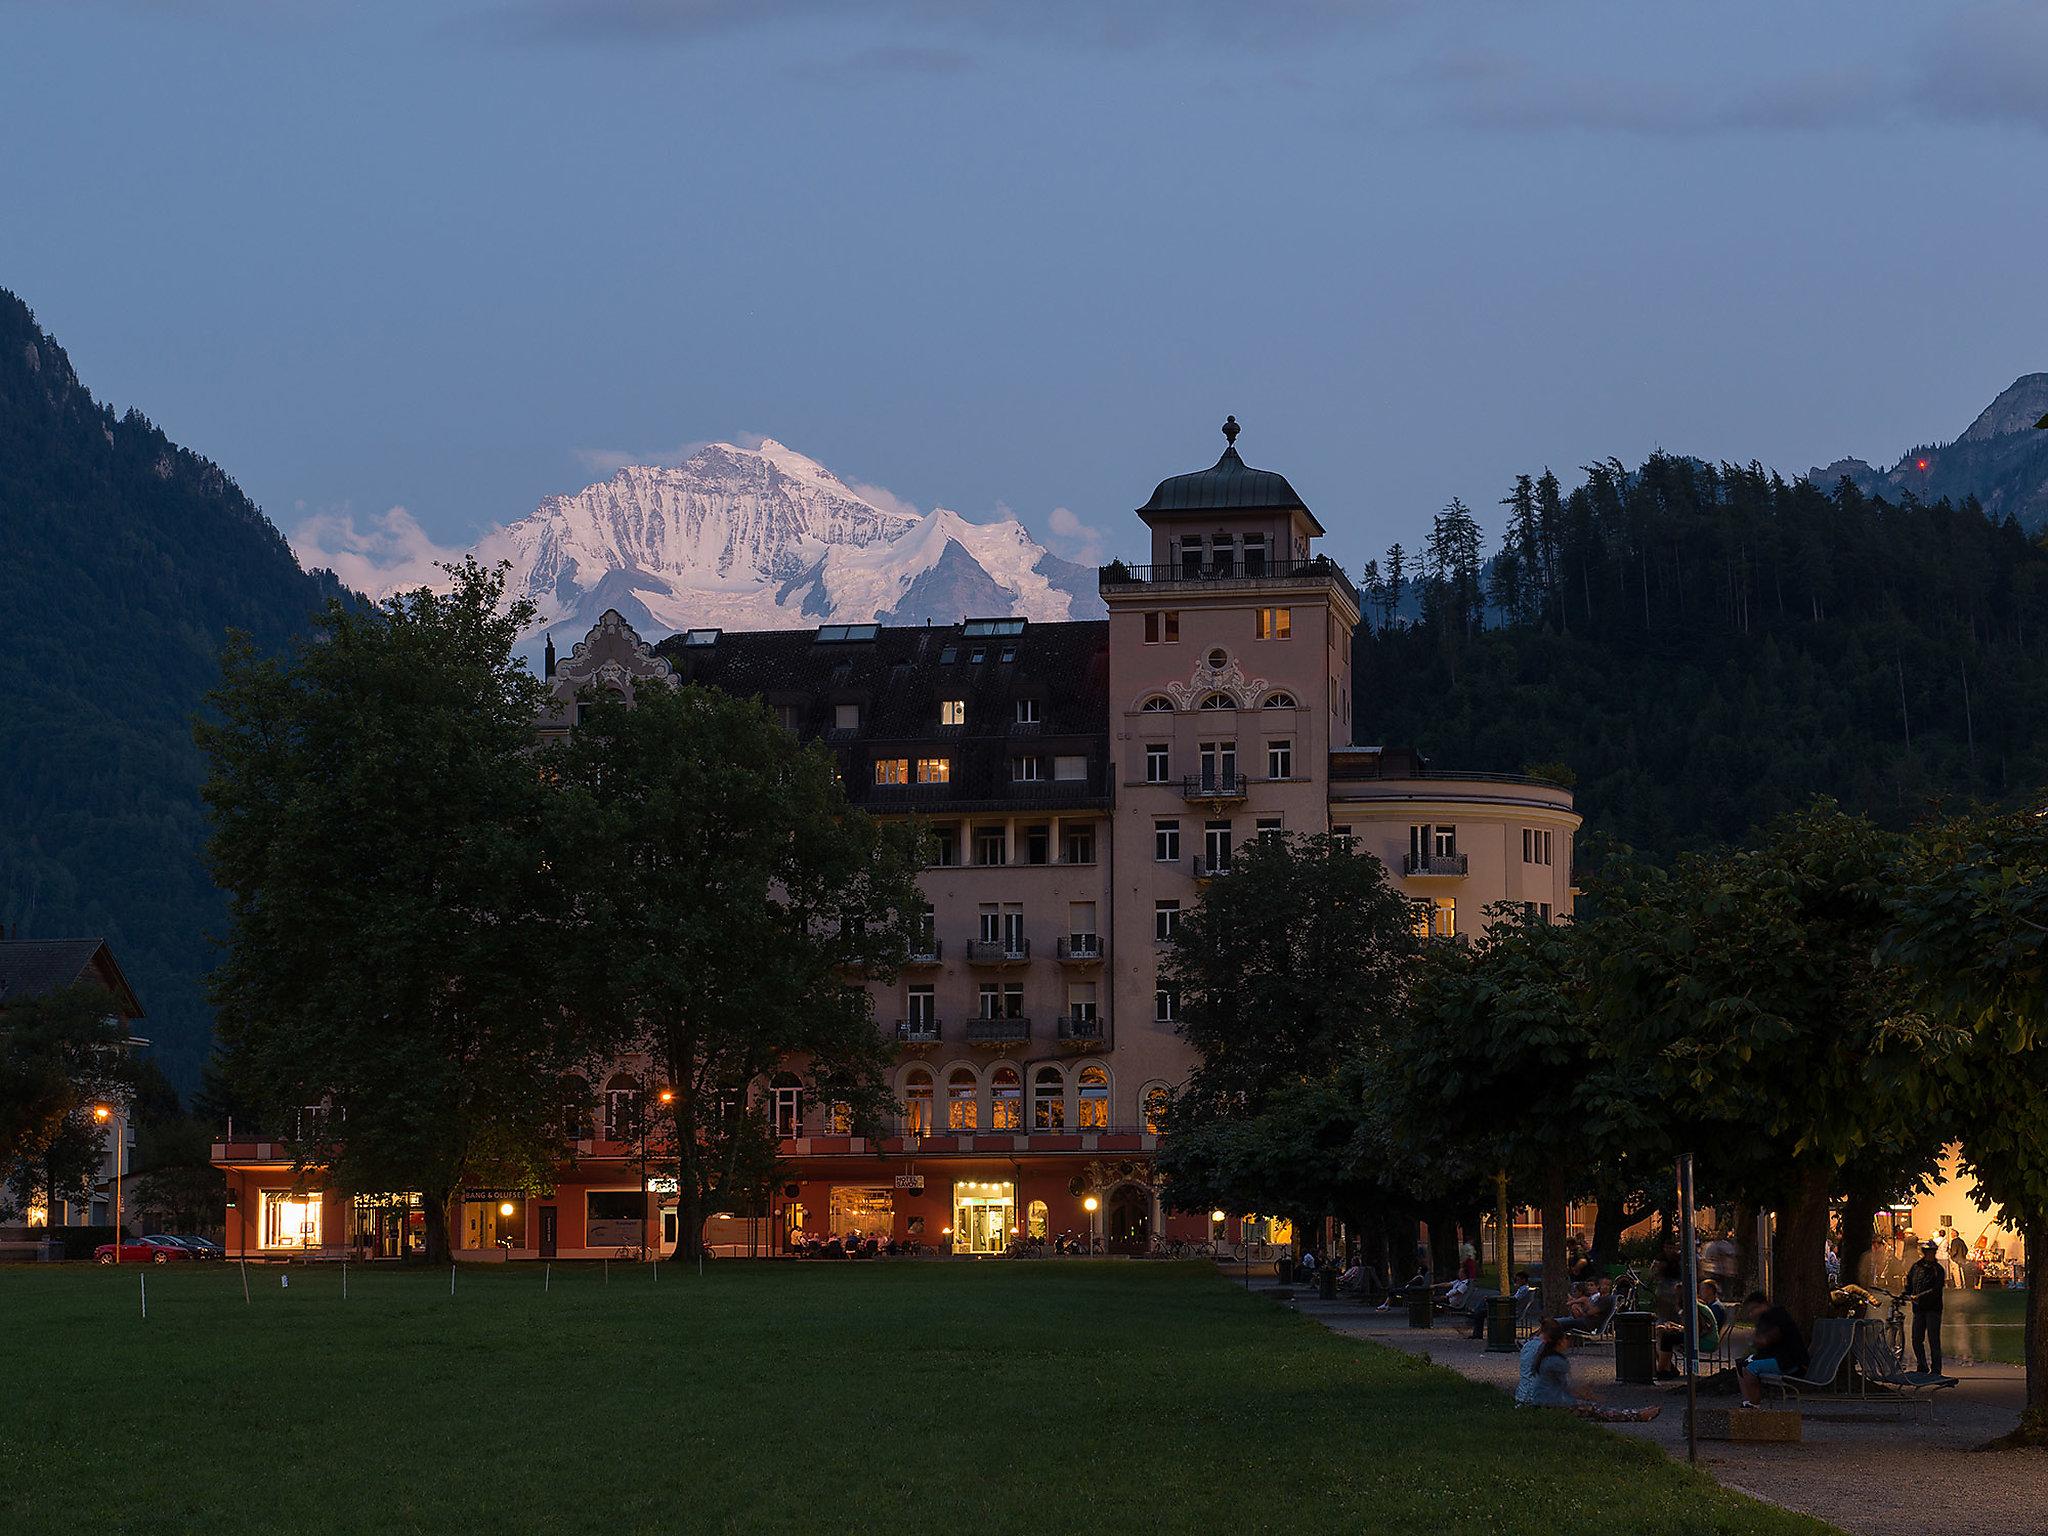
[[456, 257]]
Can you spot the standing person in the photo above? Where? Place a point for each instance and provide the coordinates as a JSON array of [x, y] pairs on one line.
[[1958, 1251], [1923, 1287], [1720, 1260], [1546, 1380]]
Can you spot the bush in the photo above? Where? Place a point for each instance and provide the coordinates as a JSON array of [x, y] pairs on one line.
[[79, 1242]]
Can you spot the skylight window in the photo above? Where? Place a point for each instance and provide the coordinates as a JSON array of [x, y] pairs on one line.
[[992, 627], [701, 636], [835, 632]]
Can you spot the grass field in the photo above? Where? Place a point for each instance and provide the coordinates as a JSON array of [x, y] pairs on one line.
[[1056, 1396]]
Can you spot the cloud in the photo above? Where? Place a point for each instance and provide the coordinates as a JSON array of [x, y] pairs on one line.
[[881, 496], [1988, 65], [1083, 543], [609, 461], [386, 553]]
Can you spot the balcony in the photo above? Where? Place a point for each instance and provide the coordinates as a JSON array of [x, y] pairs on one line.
[[1080, 949], [917, 1031], [1215, 788], [998, 1032], [1208, 868], [1000, 952], [1082, 1031], [1449, 866], [1242, 573], [924, 953]]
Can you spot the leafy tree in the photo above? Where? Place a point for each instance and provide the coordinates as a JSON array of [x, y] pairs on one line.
[[1740, 992], [1971, 914], [1284, 972], [1499, 1064], [379, 826], [60, 1053], [726, 901]]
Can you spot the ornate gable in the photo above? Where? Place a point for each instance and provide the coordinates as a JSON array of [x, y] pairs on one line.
[[612, 656]]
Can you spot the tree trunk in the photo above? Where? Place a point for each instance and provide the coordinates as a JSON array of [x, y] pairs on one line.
[[1799, 1254], [434, 1206], [1860, 1201], [1555, 1280]]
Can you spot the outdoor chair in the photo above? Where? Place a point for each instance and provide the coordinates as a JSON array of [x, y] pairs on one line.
[[1877, 1366], [1832, 1339]]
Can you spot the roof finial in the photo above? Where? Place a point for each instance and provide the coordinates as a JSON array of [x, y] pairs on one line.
[[1230, 430]]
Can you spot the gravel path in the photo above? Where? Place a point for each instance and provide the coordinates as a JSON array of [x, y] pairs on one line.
[[1870, 1476]]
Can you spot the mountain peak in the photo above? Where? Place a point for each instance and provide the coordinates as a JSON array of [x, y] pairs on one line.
[[2022, 403]]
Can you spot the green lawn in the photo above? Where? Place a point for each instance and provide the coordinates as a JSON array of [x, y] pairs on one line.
[[961, 1397], [1984, 1325]]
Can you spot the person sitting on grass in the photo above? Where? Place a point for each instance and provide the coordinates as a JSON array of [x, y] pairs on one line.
[[1546, 1380], [1777, 1350]]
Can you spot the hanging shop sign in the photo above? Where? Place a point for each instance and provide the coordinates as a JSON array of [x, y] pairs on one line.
[[912, 1182]]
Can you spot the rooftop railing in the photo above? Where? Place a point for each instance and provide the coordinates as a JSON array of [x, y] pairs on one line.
[[1193, 573]]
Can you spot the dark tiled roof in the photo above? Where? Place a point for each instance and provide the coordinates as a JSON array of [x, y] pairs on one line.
[[34, 967], [898, 680], [1229, 485]]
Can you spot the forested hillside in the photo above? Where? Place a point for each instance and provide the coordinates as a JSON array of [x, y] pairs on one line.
[[1703, 648], [124, 560]]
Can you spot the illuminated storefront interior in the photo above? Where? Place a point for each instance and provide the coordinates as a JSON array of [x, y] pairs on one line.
[[861, 1210], [983, 1215], [290, 1221], [495, 1221]]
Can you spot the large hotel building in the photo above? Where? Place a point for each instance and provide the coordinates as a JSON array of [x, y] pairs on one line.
[[1084, 782]]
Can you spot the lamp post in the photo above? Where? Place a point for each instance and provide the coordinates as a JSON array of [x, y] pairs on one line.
[[1091, 1205], [668, 1098], [104, 1114]]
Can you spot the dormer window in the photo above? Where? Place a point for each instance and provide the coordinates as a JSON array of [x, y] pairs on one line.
[[845, 717], [952, 711], [1027, 712]]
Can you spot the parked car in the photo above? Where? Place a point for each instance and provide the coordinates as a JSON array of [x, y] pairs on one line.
[[145, 1250], [202, 1247]]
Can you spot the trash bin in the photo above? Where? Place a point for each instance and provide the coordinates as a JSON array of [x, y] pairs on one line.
[[1283, 1270], [1326, 1282], [1421, 1308], [1635, 1350], [1500, 1325]]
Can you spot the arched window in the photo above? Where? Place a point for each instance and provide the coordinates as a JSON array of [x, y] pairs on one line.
[[1157, 704], [622, 1108], [1156, 1100], [842, 1118], [1036, 1224], [1219, 701], [575, 1095], [1048, 1100], [1279, 701], [1005, 1099], [1093, 1099], [963, 1100], [786, 1096], [917, 1103]]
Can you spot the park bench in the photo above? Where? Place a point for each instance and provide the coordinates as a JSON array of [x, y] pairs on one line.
[[1826, 1355]]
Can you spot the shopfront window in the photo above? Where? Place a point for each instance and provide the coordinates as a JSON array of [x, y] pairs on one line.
[[291, 1221], [983, 1216], [862, 1211]]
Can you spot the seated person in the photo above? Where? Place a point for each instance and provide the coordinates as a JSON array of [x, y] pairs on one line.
[[1710, 1297], [1671, 1339], [1777, 1350], [1590, 1311], [1419, 1281], [1546, 1380], [1455, 1297]]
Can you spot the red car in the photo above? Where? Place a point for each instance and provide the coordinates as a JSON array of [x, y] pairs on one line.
[[144, 1250]]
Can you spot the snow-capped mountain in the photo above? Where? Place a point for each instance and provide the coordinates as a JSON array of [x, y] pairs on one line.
[[764, 538]]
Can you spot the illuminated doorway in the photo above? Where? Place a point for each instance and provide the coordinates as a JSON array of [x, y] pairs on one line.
[[983, 1214]]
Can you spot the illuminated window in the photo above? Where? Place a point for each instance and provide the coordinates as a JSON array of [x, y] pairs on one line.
[[917, 1103], [1093, 1099], [1048, 1100], [934, 770], [962, 1100], [1156, 1100], [892, 770], [842, 1118], [1037, 1224], [952, 712], [291, 1220], [1005, 1100], [1437, 918], [1276, 623]]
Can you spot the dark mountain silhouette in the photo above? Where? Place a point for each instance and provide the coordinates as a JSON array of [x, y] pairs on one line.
[[2001, 459]]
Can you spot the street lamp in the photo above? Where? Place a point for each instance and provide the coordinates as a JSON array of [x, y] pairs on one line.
[[103, 1113]]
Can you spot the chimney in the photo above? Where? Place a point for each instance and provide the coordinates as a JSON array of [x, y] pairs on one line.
[[550, 660]]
